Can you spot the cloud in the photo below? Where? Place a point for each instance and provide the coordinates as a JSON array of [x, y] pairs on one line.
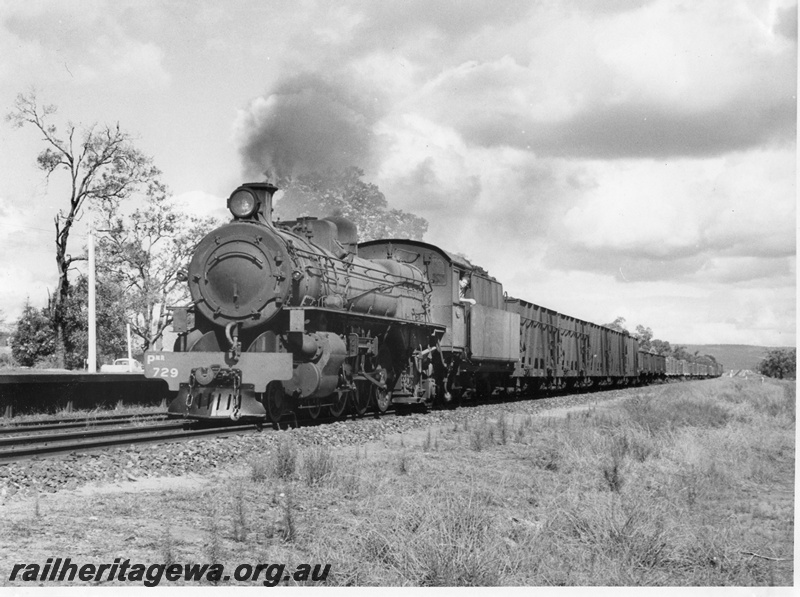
[[653, 220], [657, 82], [27, 257], [427, 23], [428, 169], [786, 22], [86, 46], [202, 204], [637, 130], [632, 143], [779, 271], [617, 158]]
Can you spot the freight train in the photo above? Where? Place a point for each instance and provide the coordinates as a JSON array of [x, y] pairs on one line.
[[299, 318]]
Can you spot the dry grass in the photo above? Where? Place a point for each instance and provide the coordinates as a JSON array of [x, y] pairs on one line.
[[676, 487], [88, 414], [284, 462], [317, 465]]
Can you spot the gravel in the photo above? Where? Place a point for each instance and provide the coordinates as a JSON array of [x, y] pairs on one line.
[[200, 456]]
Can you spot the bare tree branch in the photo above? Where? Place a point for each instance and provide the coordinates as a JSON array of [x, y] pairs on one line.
[[104, 166]]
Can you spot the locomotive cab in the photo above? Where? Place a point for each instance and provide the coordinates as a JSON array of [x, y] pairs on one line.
[[481, 341]]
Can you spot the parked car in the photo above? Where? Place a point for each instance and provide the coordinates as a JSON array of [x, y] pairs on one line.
[[123, 366]]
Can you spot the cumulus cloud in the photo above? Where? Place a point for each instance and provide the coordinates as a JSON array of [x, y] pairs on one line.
[[655, 83], [664, 220]]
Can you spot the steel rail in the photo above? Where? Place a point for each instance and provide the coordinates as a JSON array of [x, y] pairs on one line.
[[86, 434], [12, 455], [80, 423], [57, 421]]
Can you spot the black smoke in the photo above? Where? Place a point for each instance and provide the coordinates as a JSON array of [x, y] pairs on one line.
[[307, 123]]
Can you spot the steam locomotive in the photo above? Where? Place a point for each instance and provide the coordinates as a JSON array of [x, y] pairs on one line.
[[297, 317]]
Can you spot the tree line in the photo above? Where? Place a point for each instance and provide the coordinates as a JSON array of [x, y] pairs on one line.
[[780, 363], [141, 250]]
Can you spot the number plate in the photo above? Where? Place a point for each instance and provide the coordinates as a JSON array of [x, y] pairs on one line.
[[258, 368]]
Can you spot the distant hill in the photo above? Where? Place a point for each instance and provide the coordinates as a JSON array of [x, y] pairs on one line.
[[733, 356]]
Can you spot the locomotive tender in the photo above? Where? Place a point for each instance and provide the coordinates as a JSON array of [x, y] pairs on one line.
[[296, 317]]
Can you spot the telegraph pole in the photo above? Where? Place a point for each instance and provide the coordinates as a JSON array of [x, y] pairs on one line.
[[92, 355]]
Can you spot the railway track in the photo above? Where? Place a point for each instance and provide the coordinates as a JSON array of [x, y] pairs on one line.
[[14, 449], [86, 434], [83, 434], [78, 423]]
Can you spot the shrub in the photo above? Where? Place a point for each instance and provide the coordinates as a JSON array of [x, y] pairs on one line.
[[630, 443], [285, 461], [402, 463], [214, 542], [440, 539], [613, 473], [548, 458], [782, 405], [481, 437], [239, 514], [7, 361], [502, 430], [33, 338], [259, 470], [168, 555], [289, 529], [428, 443], [628, 536], [317, 464], [350, 483]]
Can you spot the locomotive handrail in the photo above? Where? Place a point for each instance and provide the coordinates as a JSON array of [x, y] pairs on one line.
[[308, 254], [371, 290], [222, 256]]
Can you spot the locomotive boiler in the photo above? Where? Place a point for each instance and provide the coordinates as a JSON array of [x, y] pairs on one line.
[[285, 317]]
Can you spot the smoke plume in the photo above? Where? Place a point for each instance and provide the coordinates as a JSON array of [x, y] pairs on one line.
[[308, 123]]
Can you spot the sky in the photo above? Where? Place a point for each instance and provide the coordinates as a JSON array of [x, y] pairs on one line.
[[618, 158]]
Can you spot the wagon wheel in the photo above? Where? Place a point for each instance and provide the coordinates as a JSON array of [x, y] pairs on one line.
[[275, 401], [381, 398], [339, 405], [361, 397], [315, 409]]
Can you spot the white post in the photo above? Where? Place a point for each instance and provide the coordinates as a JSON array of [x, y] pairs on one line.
[[92, 355], [130, 358]]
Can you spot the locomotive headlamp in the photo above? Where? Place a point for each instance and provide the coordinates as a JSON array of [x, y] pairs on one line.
[[243, 203]]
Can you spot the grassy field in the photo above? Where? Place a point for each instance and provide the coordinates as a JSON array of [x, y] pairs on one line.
[[685, 484]]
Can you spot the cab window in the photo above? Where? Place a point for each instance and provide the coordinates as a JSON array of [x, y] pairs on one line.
[[437, 272]]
